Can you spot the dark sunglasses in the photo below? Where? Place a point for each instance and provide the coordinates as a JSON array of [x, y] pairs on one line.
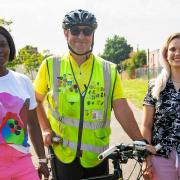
[[87, 31]]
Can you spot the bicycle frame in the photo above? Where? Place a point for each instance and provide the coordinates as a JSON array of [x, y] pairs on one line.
[[117, 174], [51, 158]]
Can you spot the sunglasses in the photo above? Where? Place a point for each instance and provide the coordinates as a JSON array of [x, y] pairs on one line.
[[87, 31]]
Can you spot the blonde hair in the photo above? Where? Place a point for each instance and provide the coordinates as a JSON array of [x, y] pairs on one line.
[[161, 80]]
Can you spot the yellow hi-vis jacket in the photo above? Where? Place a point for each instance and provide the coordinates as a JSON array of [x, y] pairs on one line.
[[82, 120]]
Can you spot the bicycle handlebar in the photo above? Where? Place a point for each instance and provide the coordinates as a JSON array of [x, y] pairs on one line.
[[136, 146], [120, 154]]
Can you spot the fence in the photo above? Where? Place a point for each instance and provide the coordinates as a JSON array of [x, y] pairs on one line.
[[147, 73]]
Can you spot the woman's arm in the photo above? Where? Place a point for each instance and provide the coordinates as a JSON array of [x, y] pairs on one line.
[[146, 130], [147, 122], [36, 139]]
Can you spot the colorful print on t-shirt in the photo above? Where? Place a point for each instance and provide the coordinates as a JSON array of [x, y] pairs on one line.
[[13, 119]]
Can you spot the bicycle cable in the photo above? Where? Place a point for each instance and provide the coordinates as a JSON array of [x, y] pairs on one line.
[[132, 170]]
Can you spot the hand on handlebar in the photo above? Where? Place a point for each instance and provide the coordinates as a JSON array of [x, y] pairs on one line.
[[50, 137], [151, 149], [139, 145], [142, 146]]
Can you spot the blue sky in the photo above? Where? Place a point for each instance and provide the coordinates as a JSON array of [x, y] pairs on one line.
[[144, 23]]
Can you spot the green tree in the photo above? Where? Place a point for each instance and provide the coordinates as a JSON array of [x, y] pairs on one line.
[[137, 60], [116, 49], [140, 58], [4, 22], [30, 58], [12, 65]]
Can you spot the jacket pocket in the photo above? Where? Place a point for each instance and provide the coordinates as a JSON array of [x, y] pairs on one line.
[[71, 106], [102, 136]]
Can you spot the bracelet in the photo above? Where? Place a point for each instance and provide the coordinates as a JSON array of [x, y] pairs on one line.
[[43, 160]]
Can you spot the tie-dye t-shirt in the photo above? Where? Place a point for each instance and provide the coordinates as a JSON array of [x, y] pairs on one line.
[[16, 99]]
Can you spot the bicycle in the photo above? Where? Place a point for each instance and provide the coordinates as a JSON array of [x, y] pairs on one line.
[[119, 154]]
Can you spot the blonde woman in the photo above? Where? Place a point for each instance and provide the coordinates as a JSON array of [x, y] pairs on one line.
[[161, 115]]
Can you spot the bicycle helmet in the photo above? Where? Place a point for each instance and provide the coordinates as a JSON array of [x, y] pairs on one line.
[[80, 18]]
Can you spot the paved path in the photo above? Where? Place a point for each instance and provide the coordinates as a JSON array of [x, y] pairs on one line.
[[118, 136]]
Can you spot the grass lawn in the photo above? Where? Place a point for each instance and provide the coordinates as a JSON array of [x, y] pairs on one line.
[[135, 90]]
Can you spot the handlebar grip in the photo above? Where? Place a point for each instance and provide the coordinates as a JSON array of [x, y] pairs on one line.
[[107, 152], [56, 139]]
